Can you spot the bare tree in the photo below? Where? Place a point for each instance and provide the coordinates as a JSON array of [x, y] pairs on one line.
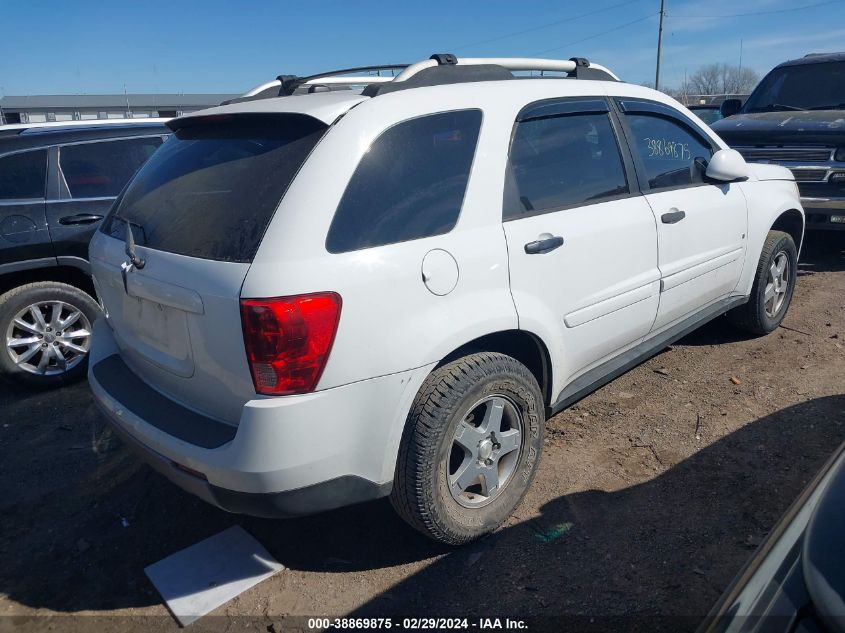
[[723, 78]]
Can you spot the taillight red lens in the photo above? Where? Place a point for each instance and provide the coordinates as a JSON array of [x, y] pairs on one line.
[[288, 340]]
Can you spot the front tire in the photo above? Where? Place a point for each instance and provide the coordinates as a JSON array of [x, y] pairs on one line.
[[773, 286], [470, 449], [46, 328]]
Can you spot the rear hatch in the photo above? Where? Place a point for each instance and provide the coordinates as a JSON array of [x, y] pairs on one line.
[[197, 212]]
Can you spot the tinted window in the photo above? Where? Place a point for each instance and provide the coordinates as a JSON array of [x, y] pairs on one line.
[[23, 175], [560, 162], [212, 188], [410, 183], [806, 86], [668, 150], [98, 170]]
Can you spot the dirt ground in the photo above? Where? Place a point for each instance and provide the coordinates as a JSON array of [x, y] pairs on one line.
[[652, 494]]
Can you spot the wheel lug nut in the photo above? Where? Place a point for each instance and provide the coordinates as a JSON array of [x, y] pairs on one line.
[[43, 344]]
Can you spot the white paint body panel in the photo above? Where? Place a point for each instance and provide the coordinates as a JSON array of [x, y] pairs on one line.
[[582, 301], [700, 257]]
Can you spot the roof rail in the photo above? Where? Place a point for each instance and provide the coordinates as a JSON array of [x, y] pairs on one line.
[[423, 73], [510, 63], [286, 85]]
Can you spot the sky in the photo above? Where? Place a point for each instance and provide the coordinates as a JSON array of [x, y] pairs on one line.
[[227, 46]]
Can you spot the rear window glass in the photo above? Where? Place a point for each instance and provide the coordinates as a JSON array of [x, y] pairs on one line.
[[410, 184], [212, 188], [23, 175], [102, 169]]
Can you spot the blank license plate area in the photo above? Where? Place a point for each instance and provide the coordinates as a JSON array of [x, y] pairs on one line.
[[157, 332]]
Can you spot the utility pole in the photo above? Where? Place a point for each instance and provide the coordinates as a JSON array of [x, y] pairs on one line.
[[659, 45]]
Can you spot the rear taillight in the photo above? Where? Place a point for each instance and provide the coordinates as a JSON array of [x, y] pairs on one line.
[[288, 340]]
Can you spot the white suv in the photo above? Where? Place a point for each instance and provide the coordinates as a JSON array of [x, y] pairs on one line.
[[318, 299]]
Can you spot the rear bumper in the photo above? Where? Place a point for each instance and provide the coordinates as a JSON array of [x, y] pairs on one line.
[[818, 212], [288, 456], [326, 495]]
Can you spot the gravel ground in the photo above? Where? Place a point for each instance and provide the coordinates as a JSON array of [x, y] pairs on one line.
[[652, 494]]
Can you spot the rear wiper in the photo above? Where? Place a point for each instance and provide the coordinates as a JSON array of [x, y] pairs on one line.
[[838, 106], [134, 260], [126, 220]]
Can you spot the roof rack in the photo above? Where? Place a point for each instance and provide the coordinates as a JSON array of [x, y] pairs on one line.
[[440, 68], [286, 85], [570, 66]]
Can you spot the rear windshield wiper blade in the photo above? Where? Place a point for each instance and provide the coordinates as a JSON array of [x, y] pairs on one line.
[[126, 220]]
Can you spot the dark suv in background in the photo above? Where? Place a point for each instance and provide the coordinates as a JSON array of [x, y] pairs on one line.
[[796, 118], [56, 184]]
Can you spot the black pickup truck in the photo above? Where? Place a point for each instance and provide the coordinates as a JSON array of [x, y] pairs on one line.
[[796, 118]]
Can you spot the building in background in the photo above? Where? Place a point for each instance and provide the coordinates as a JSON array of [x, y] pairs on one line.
[[49, 108]]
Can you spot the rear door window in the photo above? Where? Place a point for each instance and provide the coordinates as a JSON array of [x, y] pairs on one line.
[[102, 169], [562, 161], [211, 190], [23, 176], [410, 184]]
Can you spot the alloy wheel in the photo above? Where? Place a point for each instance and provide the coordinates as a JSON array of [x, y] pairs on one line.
[[777, 284], [485, 451], [48, 338]]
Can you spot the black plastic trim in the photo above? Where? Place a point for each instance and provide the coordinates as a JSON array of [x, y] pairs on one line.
[[444, 59], [327, 495], [74, 262], [157, 410], [558, 106], [27, 264], [446, 74], [618, 365]]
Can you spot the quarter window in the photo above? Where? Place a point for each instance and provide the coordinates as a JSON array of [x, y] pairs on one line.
[[101, 170], [668, 150], [410, 184], [561, 162], [23, 176]]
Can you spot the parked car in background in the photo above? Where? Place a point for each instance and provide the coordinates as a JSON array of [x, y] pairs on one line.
[[795, 581], [57, 181], [707, 113], [796, 118], [318, 300]]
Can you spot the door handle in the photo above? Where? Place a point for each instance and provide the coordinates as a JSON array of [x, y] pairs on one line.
[[673, 216], [545, 244], [80, 218]]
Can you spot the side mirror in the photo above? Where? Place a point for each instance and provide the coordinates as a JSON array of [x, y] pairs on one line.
[[730, 107], [727, 165]]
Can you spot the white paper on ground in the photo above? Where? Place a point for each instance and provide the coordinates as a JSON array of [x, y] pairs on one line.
[[201, 577]]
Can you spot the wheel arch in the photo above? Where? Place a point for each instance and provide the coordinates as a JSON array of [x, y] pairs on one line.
[[68, 274], [524, 346], [791, 221]]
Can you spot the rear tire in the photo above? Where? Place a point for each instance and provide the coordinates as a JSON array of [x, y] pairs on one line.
[[773, 286], [50, 350], [470, 449]]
